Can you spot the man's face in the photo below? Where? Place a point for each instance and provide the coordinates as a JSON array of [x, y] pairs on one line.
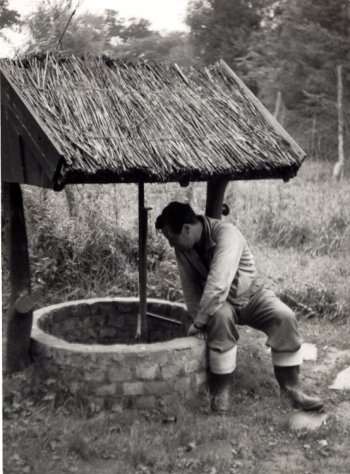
[[183, 241]]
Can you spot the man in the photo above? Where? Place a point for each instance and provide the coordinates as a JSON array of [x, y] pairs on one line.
[[218, 276]]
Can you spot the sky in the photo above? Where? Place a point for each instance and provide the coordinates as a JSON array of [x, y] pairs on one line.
[[164, 15]]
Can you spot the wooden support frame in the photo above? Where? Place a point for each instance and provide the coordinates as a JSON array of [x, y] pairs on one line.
[[20, 314], [25, 142]]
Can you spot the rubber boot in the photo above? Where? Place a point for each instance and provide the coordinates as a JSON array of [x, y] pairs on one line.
[[220, 391], [288, 380]]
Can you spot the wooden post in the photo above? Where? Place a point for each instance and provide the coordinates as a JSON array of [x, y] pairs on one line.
[[192, 196], [314, 120], [20, 314], [141, 332], [278, 105], [71, 204], [215, 198], [338, 170], [280, 109]]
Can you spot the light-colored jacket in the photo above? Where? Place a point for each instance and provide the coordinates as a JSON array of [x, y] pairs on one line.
[[227, 272]]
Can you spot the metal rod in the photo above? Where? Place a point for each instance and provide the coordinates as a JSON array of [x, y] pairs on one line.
[[164, 318], [142, 319]]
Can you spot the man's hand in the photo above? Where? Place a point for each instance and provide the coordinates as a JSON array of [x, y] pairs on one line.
[[193, 331]]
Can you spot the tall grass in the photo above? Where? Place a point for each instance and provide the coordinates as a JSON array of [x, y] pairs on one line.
[[94, 252], [310, 213]]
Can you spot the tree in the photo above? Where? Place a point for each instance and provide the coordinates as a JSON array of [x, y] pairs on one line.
[[106, 34], [52, 24], [223, 29], [307, 40], [175, 47], [47, 25], [8, 17], [291, 46]]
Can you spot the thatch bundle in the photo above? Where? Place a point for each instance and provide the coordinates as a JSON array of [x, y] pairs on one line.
[[116, 122]]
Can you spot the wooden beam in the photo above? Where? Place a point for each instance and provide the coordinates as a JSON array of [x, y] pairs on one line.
[[20, 314], [17, 114], [264, 112], [215, 198]]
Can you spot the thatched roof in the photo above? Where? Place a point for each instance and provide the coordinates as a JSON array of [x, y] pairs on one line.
[[115, 122]]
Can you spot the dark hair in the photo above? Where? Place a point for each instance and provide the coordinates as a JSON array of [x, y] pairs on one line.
[[175, 215]]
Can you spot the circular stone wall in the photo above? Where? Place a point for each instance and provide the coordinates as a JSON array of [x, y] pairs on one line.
[[89, 347]]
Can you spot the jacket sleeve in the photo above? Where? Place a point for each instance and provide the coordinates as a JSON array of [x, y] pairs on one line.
[[190, 282], [223, 268]]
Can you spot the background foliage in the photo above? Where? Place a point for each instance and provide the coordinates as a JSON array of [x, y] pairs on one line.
[[287, 46], [292, 47]]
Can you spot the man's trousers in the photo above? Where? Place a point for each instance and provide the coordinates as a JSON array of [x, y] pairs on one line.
[[264, 312]]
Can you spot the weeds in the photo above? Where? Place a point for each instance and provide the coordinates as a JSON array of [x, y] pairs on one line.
[[308, 216], [320, 302]]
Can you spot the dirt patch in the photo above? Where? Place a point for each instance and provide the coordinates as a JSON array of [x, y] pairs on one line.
[[342, 412]]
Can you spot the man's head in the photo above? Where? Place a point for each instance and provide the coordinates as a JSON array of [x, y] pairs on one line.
[[180, 225]]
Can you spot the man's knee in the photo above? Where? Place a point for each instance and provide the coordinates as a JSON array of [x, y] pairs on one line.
[[285, 315], [221, 329], [286, 328], [224, 314]]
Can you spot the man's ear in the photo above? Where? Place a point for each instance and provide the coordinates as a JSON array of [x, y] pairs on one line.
[[186, 229]]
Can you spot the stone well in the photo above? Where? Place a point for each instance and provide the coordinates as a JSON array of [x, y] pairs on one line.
[[88, 346]]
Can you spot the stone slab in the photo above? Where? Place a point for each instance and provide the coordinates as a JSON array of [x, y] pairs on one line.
[[342, 380], [309, 351], [306, 421]]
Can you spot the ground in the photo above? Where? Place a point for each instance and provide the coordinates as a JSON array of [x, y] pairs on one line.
[[299, 232], [45, 431]]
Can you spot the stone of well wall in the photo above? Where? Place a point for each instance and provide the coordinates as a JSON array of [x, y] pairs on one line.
[[81, 345]]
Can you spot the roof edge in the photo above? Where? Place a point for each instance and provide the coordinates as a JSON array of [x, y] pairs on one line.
[[281, 131], [31, 128]]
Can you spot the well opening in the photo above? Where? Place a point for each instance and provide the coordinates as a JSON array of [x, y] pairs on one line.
[[114, 322], [89, 346]]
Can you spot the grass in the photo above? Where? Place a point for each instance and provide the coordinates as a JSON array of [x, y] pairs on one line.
[[299, 232]]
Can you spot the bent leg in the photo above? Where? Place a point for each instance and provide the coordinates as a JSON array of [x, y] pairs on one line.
[[221, 329], [222, 338], [269, 314]]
